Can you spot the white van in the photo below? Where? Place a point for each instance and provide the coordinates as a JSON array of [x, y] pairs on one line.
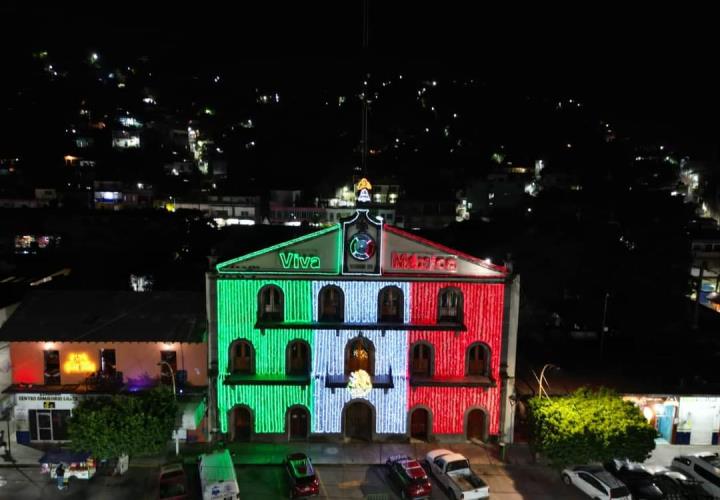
[[704, 467], [217, 477]]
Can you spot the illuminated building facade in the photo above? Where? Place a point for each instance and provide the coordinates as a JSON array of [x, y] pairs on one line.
[[361, 330], [65, 346]]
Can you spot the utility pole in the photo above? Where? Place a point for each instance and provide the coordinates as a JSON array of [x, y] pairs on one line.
[[364, 121], [603, 328]]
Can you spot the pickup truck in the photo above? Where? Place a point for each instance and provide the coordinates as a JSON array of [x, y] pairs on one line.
[[452, 470]]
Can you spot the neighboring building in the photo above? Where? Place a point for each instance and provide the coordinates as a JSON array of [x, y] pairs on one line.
[[361, 330], [68, 345], [426, 214], [125, 139], [498, 191], [226, 210], [705, 267], [115, 195], [291, 215]]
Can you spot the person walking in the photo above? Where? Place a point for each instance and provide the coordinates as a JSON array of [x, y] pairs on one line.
[[60, 476]]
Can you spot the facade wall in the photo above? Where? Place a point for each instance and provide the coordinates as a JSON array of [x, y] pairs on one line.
[[390, 356], [483, 315], [237, 314], [136, 360]]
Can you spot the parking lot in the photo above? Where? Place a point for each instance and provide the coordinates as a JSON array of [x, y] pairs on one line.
[[371, 483]]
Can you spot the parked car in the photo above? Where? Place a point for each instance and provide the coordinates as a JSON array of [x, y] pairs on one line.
[[173, 483], [677, 486], [596, 482], [301, 476], [703, 467], [409, 476], [453, 471], [639, 481]]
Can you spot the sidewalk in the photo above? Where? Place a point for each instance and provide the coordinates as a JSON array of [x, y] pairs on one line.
[[21, 456], [344, 453], [325, 453]]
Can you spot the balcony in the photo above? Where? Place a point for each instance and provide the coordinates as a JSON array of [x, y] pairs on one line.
[[466, 381], [265, 379], [339, 381], [328, 325]]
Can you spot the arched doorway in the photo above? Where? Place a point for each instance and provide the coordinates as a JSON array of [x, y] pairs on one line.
[[358, 421], [242, 424], [298, 422], [475, 425], [420, 424]]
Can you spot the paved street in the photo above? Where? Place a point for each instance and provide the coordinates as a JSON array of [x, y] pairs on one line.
[[268, 482], [27, 483]]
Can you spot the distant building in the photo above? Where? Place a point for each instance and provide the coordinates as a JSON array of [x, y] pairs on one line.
[[225, 209], [115, 195], [426, 214], [498, 191], [125, 139]]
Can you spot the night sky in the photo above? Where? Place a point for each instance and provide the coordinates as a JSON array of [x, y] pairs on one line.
[[649, 67]]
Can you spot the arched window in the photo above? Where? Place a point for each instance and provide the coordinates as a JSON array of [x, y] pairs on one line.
[[359, 355], [332, 304], [298, 358], [450, 306], [270, 304], [421, 359], [242, 357], [478, 359], [390, 305]]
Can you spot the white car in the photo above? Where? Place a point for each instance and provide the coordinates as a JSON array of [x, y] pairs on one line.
[[596, 482], [703, 467]]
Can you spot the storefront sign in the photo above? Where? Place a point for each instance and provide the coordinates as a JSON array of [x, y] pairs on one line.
[[293, 260], [423, 262], [35, 401], [79, 362]]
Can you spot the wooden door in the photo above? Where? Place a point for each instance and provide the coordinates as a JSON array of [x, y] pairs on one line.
[[419, 424], [358, 422], [476, 425], [243, 424]]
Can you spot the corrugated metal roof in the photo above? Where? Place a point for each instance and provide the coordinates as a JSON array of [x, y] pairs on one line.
[[94, 316]]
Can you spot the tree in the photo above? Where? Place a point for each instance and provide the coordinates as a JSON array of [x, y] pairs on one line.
[[124, 425], [589, 426]]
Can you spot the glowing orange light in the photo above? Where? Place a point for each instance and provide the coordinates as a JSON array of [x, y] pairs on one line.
[[363, 184], [79, 362]]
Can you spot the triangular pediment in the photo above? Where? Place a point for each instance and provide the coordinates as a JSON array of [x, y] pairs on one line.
[[406, 253], [314, 253]]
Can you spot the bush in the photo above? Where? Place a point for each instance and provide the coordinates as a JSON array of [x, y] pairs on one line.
[[589, 426], [112, 426]]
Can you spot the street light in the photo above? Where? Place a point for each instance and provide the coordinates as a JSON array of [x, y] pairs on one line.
[[542, 375], [175, 432]]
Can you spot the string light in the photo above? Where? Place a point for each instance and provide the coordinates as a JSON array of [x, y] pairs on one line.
[[237, 314], [483, 310]]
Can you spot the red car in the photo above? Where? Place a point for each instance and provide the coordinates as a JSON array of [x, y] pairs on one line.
[[301, 475], [173, 483], [409, 475]]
